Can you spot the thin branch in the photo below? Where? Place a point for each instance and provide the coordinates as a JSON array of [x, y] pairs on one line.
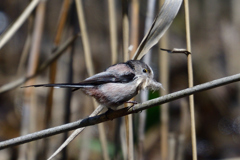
[[119, 113], [53, 58]]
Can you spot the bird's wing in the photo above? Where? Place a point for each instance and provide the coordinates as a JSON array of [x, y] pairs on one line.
[[98, 79], [106, 77]]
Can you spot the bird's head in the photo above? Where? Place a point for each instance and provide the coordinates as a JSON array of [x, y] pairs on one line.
[[144, 75]]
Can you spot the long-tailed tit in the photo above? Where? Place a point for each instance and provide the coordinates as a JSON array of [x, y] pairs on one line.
[[116, 85]]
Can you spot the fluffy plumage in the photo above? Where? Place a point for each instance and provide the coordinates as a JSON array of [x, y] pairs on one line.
[[116, 85]]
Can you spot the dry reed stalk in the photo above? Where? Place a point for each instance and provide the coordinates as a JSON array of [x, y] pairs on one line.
[[103, 138], [164, 79], [134, 35], [164, 115], [113, 30], [23, 59], [147, 59], [190, 81], [125, 30], [184, 117], [75, 133], [26, 47], [128, 119], [85, 39], [90, 67], [54, 57], [53, 67], [30, 99], [134, 26], [18, 23], [172, 146], [21, 80]]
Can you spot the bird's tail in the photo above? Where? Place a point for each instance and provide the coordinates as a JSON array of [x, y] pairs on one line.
[[75, 86]]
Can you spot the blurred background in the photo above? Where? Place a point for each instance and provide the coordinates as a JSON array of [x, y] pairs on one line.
[[215, 38]]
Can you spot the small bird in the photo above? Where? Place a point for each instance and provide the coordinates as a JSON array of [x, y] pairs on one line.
[[116, 85]]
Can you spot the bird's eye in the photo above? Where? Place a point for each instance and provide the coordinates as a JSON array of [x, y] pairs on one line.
[[145, 71]]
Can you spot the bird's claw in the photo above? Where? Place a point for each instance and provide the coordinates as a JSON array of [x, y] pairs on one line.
[[133, 103]]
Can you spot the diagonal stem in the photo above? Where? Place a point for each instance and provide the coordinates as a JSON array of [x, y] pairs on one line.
[[119, 113]]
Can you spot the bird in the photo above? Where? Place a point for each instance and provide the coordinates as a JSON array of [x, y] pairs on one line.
[[116, 85]]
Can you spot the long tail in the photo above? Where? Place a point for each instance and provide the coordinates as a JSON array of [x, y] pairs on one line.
[[62, 85]]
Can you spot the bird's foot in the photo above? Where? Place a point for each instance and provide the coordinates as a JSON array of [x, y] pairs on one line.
[[133, 103]]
